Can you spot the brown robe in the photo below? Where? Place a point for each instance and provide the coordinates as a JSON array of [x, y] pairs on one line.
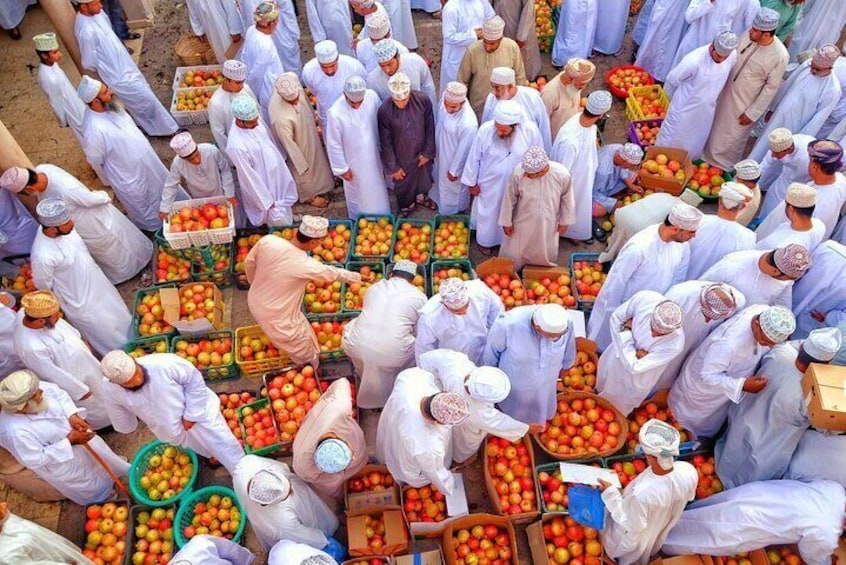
[[519, 17], [477, 65]]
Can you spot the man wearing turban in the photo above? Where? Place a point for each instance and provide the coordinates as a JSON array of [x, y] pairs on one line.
[[259, 53], [562, 95], [786, 162], [462, 23], [326, 74]]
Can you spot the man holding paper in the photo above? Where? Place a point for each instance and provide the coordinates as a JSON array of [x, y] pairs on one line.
[[643, 514]]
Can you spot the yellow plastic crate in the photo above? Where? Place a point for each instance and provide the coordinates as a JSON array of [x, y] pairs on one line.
[[256, 367], [634, 112]]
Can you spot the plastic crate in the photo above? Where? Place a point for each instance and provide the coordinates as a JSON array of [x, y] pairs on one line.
[[139, 467], [185, 253], [585, 305], [320, 286], [727, 176], [377, 267], [190, 117], [224, 372], [633, 110], [286, 446], [179, 75], [441, 219], [340, 262], [134, 511], [254, 368], [201, 238], [267, 450], [336, 354], [202, 270], [464, 264], [633, 126], [148, 345], [136, 320], [620, 92], [283, 231], [155, 265], [239, 277], [373, 218], [119, 503], [414, 223], [422, 271], [186, 511]]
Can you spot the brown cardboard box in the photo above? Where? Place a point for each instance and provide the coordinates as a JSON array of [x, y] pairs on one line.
[[468, 522], [396, 537], [496, 266], [668, 185], [534, 273], [366, 560], [435, 557], [436, 529], [537, 544], [694, 559], [356, 501], [170, 305], [523, 517], [824, 387]]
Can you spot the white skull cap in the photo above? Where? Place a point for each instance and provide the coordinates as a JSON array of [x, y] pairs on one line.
[[14, 179], [631, 153], [748, 169], [384, 50], [268, 486], [823, 344], [378, 26], [667, 317], [46, 42], [534, 159], [660, 440], [355, 88], [493, 29], [88, 89], [551, 318], [599, 102], [326, 51], [508, 113], [489, 384], [725, 42], [288, 86], [118, 367], [235, 70], [405, 266], [503, 76], [245, 108], [801, 195], [455, 93], [780, 139], [52, 212], [183, 144], [453, 293], [777, 323], [685, 216], [400, 86], [314, 226]]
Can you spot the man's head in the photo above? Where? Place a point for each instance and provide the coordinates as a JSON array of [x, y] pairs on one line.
[[354, 91], [266, 16], [492, 32], [820, 346], [54, 217], [781, 143], [28, 181], [41, 310], [598, 104], [268, 487], [400, 87], [748, 173], [666, 318], [487, 384], [826, 158], [326, 53], [507, 116], [773, 326], [445, 408], [503, 83], [288, 87], [578, 72], [363, 7], [47, 48], [332, 455], [823, 60], [378, 27], [800, 201], [245, 110], [629, 156], [455, 95], [94, 93], [121, 369], [550, 321], [405, 270], [90, 7], [786, 263], [734, 197], [387, 55], [234, 75], [721, 48], [535, 162], [454, 296], [660, 443], [7, 299], [311, 232], [764, 26], [20, 393], [681, 224], [717, 302], [185, 147]]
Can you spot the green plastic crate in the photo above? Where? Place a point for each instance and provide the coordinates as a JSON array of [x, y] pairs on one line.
[[134, 511], [338, 354], [139, 467], [376, 266], [136, 319], [373, 218], [414, 223], [256, 406], [186, 512], [464, 219], [319, 316], [727, 175], [340, 263], [155, 265], [278, 230], [240, 277], [465, 265], [225, 372], [148, 344]]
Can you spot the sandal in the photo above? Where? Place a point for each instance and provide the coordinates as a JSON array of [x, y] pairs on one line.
[[319, 202], [132, 35], [426, 202], [405, 212]]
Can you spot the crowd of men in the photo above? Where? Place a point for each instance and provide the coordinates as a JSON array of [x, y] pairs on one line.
[[727, 311]]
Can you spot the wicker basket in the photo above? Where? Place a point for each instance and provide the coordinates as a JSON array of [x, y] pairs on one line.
[[193, 51]]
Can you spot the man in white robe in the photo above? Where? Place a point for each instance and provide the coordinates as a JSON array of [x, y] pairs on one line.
[[521, 26], [102, 52], [804, 101], [611, 27], [455, 129], [616, 171], [414, 437], [391, 62], [706, 19], [121, 155], [17, 225], [67, 107], [217, 22], [694, 86], [820, 23], [168, 393], [9, 360], [285, 33], [280, 505], [22, 541], [287, 552], [203, 168], [401, 22], [12, 14], [220, 106], [458, 318], [504, 87], [656, 258], [378, 27], [537, 208], [646, 335], [461, 21], [331, 19], [562, 95], [752, 517], [575, 148], [498, 147], [764, 430], [799, 225], [643, 514], [748, 173], [722, 368], [706, 305], [267, 188], [641, 24], [532, 345], [62, 263], [42, 428], [260, 56], [576, 31], [212, 550], [819, 299], [483, 387], [663, 35], [391, 309], [813, 448], [839, 113], [352, 143], [721, 234], [786, 162], [116, 244], [326, 74], [54, 350], [752, 84]]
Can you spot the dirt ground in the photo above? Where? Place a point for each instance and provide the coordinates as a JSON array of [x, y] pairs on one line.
[[26, 113]]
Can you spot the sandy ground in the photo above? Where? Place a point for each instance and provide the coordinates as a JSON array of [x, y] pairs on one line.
[[26, 113]]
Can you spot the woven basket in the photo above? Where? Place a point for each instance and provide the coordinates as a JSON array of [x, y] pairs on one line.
[[192, 51]]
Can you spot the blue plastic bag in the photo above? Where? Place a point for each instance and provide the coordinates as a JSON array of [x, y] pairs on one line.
[[336, 550], [586, 506]]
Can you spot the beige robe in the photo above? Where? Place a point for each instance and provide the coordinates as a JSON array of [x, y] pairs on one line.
[[562, 102], [278, 272], [519, 17], [477, 65], [332, 414], [295, 129], [535, 208], [751, 211], [753, 82]]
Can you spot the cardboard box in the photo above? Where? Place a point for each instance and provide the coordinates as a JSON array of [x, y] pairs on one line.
[[434, 557], [668, 185], [366, 560], [824, 387], [535, 273], [467, 522], [757, 557], [357, 501], [397, 538], [523, 517], [170, 305], [456, 507], [496, 266], [693, 559]]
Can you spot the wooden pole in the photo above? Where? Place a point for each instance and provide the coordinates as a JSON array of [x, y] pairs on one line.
[[11, 155], [62, 16]]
